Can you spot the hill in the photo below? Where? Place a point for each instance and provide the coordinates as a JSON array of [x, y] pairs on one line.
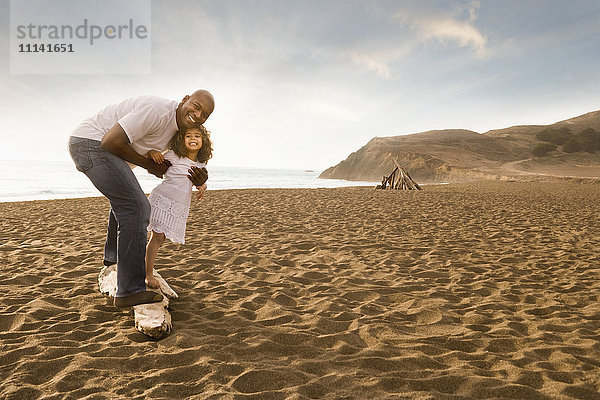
[[457, 154]]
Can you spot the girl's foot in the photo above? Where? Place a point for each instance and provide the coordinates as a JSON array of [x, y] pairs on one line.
[[152, 282]]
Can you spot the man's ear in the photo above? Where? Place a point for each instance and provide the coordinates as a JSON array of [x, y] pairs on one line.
[[186, 98]]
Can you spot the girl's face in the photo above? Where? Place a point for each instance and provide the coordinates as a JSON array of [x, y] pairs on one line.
[[193, 140]]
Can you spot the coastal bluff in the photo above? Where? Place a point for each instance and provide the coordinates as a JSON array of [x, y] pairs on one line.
[[452, 155]]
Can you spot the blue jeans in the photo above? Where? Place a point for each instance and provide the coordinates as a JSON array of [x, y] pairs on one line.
[[129, 211]]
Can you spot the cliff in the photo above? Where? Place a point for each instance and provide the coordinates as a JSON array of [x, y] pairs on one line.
[[454, 154]]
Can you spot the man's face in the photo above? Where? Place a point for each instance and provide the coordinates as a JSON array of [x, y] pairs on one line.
[[194, 110]]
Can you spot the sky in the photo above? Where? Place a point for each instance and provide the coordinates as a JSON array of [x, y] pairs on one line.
[[302, 84]]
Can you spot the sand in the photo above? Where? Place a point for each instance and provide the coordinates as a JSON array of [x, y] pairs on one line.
[[463, 291]]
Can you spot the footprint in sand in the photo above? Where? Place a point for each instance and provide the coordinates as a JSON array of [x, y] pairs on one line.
[[426, 317]]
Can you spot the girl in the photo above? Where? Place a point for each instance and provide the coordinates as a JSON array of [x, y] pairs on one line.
[[170, 200]]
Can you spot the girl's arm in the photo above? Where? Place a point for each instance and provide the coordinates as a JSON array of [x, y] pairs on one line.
[[116, 141], [156, 156]]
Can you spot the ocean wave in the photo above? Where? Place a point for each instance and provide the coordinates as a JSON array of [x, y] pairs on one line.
[[25, 180]]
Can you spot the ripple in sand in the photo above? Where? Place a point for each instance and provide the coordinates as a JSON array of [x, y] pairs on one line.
[[267, 380], [361, 295], [501, 346], [292, 339], [399, 364], [327, 326], [284, 300], [316, 276]]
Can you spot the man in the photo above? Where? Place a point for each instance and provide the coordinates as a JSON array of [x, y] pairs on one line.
[[103, 145]]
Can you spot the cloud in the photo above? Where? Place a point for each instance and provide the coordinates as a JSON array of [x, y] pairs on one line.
[[374, 38], [329, 110], [397, 34], [450, 29], [372, 63]]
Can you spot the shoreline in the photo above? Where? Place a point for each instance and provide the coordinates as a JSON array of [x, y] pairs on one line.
[[213, 190], [550, 179], [54, 181], [487, 289]]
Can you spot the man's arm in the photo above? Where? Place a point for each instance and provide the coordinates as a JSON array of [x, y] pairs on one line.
[[116, 141]]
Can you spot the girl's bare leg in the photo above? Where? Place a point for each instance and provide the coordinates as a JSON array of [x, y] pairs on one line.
[[156, 240]]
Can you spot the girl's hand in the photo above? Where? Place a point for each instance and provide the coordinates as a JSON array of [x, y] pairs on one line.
[[156, 156], [201, 190]]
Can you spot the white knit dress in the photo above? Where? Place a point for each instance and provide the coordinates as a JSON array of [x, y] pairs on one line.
[[170, 200]]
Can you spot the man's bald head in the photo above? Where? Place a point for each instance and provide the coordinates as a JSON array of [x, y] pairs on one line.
[[204, 93], [195, 109]]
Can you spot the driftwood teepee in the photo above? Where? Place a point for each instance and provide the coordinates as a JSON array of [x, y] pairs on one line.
[[398, 179]]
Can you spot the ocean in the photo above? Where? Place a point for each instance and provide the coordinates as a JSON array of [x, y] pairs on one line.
[[44, 180]]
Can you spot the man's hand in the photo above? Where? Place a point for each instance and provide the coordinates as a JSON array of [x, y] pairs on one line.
[[159, 170], [198, 176]]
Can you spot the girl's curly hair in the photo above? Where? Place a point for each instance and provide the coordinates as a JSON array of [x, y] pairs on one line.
[[177, 144]]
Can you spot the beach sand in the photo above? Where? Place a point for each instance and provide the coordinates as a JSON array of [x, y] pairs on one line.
[[463, 291]]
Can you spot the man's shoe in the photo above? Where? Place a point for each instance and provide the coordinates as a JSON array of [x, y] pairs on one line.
[[144, 297]]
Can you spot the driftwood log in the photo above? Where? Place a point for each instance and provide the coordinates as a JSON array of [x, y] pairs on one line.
[[398, 179], [153, 319]]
